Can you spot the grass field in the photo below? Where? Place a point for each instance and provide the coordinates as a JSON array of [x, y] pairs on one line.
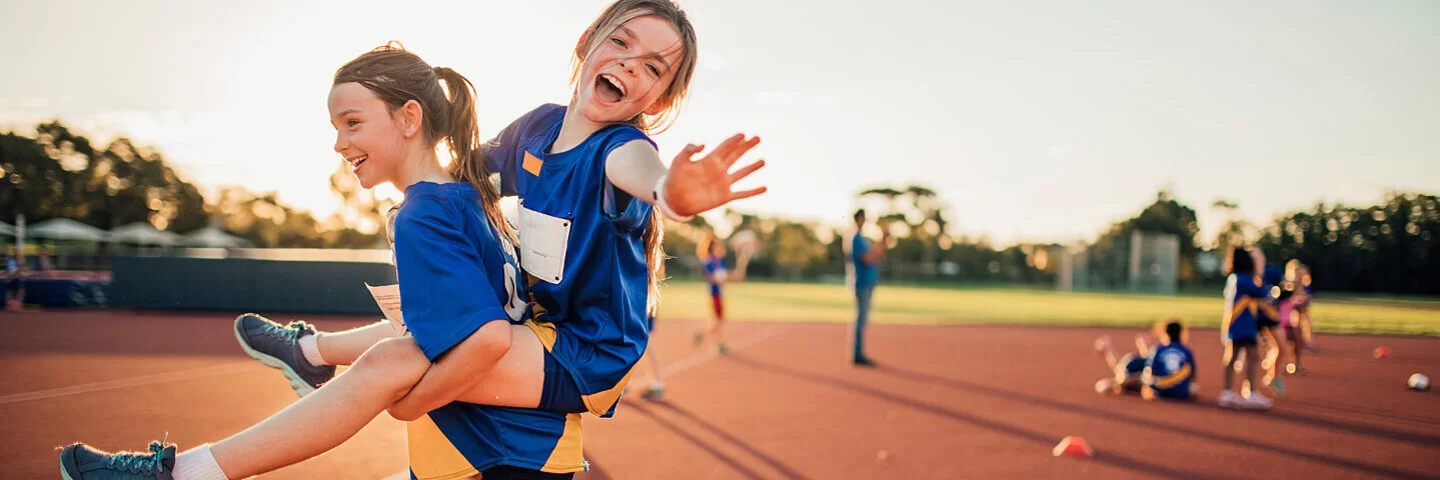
[[791, 302]]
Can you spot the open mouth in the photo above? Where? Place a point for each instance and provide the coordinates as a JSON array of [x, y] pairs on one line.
[[356, 162], [609, 89]]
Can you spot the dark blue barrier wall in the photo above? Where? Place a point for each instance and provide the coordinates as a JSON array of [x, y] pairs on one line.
[[244, 284], [52, 292]]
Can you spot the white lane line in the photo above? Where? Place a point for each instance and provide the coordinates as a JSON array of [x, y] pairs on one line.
[[202, 372], [699, 358]]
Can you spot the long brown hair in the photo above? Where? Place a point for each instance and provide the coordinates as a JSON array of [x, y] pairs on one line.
[[620, 12], [398, 76]]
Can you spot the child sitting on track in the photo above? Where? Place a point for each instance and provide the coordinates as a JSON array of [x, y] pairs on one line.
[[1166, 370]]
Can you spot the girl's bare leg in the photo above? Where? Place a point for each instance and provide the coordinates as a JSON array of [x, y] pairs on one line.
[[343, 348], [326, 418]]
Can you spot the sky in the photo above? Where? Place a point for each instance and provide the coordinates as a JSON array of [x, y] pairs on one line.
[[1036, 121]]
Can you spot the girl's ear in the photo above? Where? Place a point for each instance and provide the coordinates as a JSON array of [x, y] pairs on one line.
[[582, 47], [411, 118], [661, 104]]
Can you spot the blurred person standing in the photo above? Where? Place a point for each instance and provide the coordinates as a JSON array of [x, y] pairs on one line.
[[862, 274]]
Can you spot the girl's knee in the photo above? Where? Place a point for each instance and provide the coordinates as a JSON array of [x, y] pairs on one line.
[[399, 359]]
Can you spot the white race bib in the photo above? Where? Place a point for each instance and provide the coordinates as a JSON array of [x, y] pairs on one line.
[[543, 240]]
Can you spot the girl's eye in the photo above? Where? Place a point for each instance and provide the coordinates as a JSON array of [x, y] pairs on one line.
[[352, 122], [618, 41], [653, 70]]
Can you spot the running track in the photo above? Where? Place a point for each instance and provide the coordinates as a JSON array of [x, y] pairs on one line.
[[948, 402]]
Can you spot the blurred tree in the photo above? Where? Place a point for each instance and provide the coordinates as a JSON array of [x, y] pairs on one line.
[[60, 174], [360, 220], [918, 226], [1236, 229], [887, 193], [360, 209], [32, 183], [795, 247], [266, 222], [1109, 256], [1393, 247]]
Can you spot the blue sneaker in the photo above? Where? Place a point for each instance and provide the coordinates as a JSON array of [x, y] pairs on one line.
[[82, 462], [656, 392], [278, 346]]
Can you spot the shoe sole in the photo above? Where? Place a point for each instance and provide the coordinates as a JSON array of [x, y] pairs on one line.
[[1253, 407], [64, 472], [301, 387]]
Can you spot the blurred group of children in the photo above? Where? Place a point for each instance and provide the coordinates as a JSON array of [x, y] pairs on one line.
[[1266, 309]]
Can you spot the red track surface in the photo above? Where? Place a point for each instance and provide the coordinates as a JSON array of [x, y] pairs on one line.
[[948, 402]]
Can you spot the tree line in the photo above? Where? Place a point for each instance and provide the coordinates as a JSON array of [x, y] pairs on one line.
[[1391, 247], [61, 173]]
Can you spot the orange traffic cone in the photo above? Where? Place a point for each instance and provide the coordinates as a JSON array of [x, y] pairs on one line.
[[1074, 446], [1382, 352]]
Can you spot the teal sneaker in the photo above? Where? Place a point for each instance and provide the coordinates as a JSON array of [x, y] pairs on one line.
[[278, 346], [83, 462], [1278, 386]]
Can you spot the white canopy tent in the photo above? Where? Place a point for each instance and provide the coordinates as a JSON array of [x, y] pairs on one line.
[[65, 229], [214, 237], [142, 233]]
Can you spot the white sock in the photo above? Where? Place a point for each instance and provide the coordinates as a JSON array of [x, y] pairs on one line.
[[310, 346], [198, 464]]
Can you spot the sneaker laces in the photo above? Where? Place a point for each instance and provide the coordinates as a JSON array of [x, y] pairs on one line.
[[296, 329], [139, 462]]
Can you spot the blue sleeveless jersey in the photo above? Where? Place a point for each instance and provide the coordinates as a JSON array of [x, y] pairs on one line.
[[582, 248]]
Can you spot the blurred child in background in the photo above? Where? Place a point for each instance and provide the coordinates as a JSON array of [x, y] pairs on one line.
[[1166, 370], [712, 253], [1244, 300], [1293, 300]]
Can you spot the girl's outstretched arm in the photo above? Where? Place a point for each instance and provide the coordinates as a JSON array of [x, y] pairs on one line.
[[691, 186]]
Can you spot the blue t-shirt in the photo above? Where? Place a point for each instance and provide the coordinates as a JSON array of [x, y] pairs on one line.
[[1170, 370], [1273, 275], [866, 275], [456, 272], [713, 266], [1246, 301], [582, 247]]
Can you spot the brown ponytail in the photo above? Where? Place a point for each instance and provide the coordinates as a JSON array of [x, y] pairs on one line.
[[655, 259], [468, 162], [398, 76]]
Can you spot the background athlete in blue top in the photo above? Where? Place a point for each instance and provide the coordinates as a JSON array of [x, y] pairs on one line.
[[1246, 299], [712, 251], [863, 273]]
